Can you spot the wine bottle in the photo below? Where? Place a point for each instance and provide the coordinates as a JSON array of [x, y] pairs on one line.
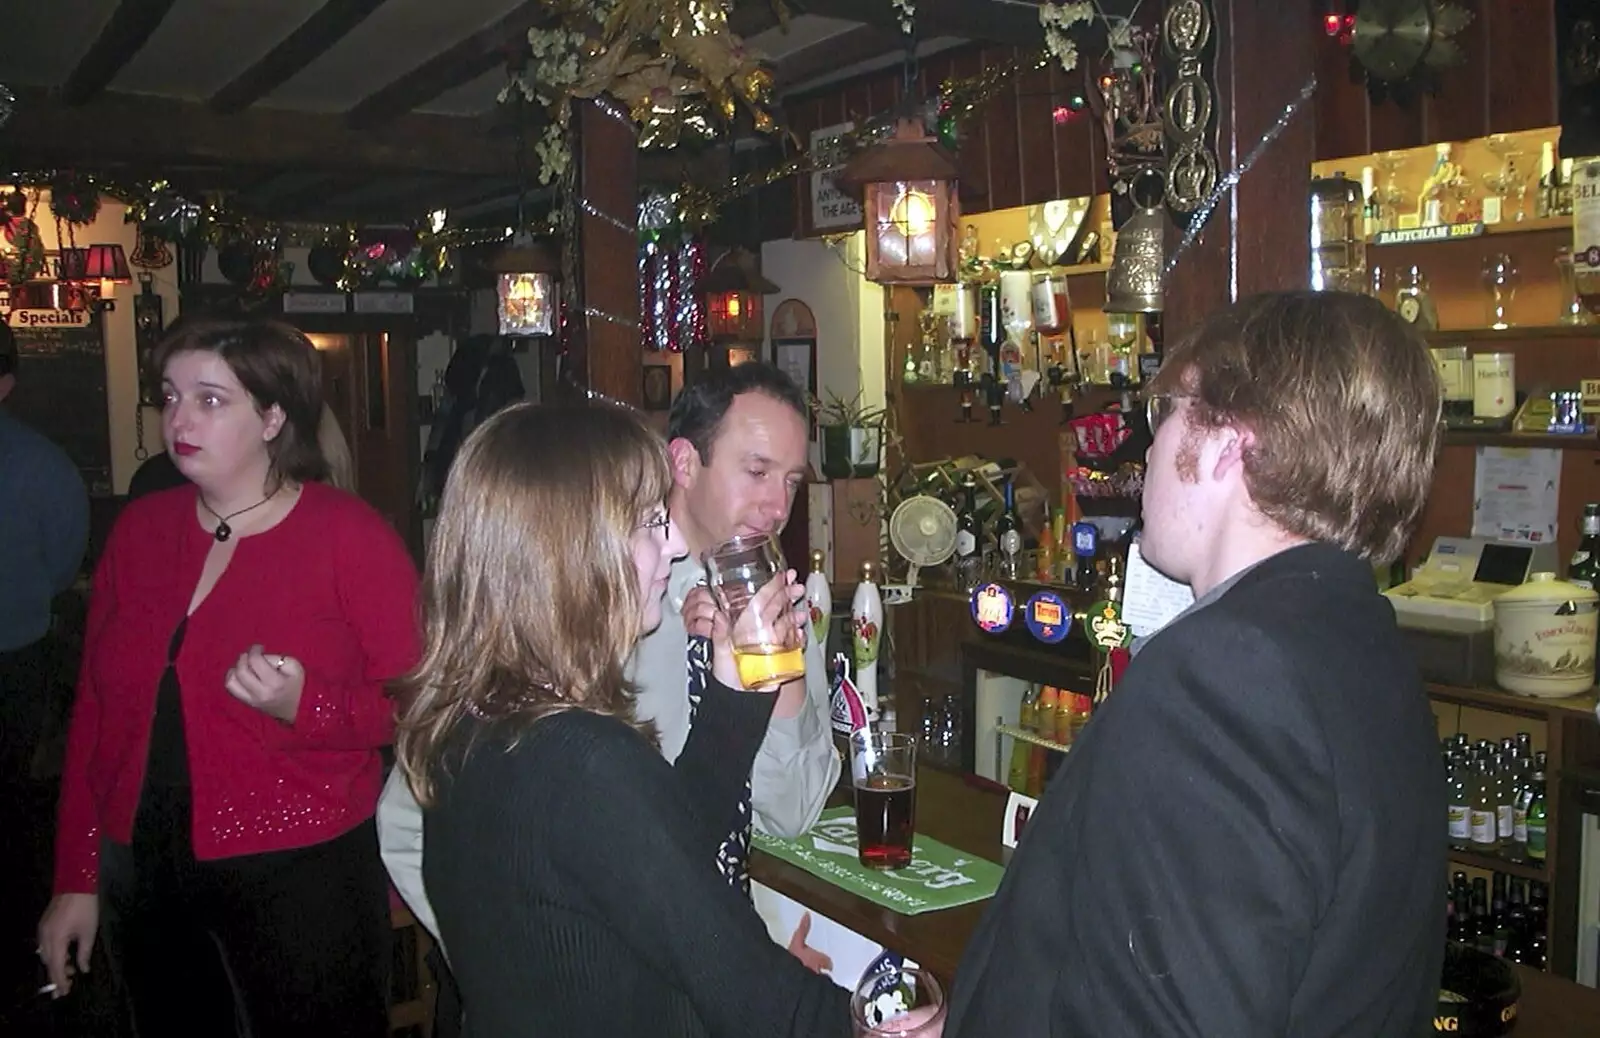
[[969, 536], [1008, 534]]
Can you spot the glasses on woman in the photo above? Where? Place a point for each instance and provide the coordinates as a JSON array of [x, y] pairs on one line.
[[1158, 407]]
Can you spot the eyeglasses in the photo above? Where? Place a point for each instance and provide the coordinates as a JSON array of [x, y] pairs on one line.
[[1158, 407], [659, 521]]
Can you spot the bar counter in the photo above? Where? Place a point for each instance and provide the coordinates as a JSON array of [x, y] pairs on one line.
[[965, 813]]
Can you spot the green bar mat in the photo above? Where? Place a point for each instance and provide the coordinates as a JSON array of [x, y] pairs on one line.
[[938, 877]]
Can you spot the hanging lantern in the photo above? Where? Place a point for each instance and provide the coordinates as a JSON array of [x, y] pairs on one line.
[[733, 290], [526, 286], [908, 189]]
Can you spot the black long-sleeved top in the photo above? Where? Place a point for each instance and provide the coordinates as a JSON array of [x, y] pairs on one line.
[[574, 877]]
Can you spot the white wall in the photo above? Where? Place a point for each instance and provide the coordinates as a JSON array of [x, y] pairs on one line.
[[848, 309]]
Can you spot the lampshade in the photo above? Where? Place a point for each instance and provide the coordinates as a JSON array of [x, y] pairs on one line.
[[907, 184], [106, 263], [733, 290]]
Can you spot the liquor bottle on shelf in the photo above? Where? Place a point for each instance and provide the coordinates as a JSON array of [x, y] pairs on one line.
[[1480, 934], [1517, 923], [992, 335], [819, 600], [1022, 752], [1369, 203], [1058, 533], [1436, 189], [963, 334], [1505, 800], [1561, 203], [1538, 821], [1583, 569], [1460, 829], [1044, 724], [1044, 565], [1583, 187], [1484, 828], [969, 536], [1544, 205], [1008, 535], [1522, 786], [1497, 913]]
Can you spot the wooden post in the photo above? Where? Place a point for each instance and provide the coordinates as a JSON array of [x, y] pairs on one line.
[[1259, 236], [605, 353]]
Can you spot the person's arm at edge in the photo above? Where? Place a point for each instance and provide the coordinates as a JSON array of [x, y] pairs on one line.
[[797, 766]]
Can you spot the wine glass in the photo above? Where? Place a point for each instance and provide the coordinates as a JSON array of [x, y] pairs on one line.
[[1500, 277], [897, 1000], [1390, 196], [1509, 180]]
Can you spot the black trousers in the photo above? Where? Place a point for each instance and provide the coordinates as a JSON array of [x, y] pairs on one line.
[[288, 944]]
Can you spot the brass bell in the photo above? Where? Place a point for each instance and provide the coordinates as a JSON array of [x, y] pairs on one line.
[[1139, 259], [1137, 264]]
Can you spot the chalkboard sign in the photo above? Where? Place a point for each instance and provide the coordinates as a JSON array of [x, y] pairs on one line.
[[61, 387]]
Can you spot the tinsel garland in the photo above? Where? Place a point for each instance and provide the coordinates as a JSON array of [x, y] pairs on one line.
[[174, 216]]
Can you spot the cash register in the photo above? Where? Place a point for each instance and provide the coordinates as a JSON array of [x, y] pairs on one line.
[[1455, 587]]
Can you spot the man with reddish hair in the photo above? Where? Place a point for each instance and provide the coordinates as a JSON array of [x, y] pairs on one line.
[[1248, 839]]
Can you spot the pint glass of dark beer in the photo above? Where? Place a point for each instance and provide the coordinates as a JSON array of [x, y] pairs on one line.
[[883, 768]]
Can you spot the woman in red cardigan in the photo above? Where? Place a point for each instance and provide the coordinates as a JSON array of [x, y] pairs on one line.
[[222, 763]]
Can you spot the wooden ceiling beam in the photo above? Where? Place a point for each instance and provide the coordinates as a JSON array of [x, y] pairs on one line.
[[156, 134], [329, 24], [1006, 22], [122, 37], [851, 47], [465, 61]]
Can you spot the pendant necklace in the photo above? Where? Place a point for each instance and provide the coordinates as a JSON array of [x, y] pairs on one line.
[[223, 530]]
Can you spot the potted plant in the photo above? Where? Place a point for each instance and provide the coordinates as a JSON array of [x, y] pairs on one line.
[[852, 437]]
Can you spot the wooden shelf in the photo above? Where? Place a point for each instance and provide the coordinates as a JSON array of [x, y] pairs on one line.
[[1508, 703], [1492, 862], [1518, 333], [1024, 735], [1553, 441], [1532, 225]]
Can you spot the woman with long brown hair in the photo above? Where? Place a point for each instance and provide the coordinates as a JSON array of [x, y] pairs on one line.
[[571, 867]]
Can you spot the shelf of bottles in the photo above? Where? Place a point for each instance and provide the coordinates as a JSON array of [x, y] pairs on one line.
[[1498, 811], [1506, 915], [1399, 233], [1498, 823], [1026, 321], [1049, 720]]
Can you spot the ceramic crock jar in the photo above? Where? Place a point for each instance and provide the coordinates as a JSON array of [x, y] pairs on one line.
[[1544, 638]]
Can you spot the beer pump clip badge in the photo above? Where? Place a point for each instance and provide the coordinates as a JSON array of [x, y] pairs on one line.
[[846, 711], [1048, 618], [993, 608], [1104, 625]]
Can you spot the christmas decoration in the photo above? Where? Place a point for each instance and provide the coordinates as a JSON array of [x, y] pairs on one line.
[[151, 253], [674, 64], [1056, 20], [73, 198], [21, 247]]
